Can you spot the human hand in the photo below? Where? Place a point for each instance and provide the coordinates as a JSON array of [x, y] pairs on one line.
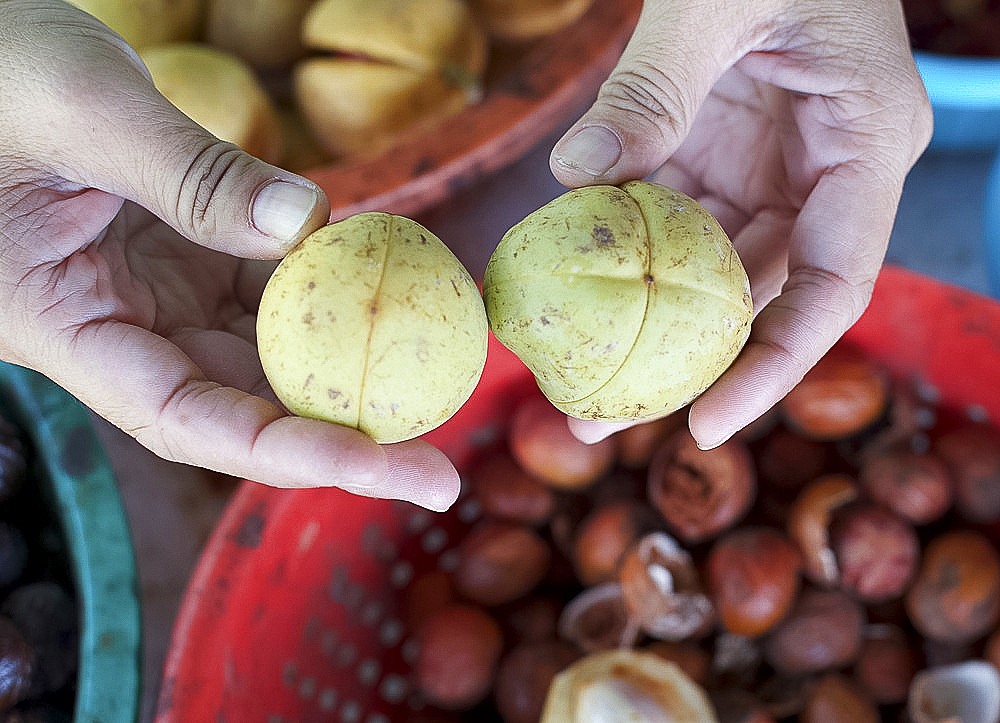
[[795, 122], [134, 247]]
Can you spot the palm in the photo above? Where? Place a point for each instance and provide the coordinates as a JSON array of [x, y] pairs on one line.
[[203, 301], [145, 292], [745, 160]]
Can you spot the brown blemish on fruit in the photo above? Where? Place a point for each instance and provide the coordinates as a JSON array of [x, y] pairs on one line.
[[603, 236]]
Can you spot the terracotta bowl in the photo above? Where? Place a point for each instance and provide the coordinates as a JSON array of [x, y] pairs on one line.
[[530, 91]]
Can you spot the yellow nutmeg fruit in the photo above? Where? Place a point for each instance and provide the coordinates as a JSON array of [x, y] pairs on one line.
[[220, 92], [626, 302], [371, 322], [378, 69]]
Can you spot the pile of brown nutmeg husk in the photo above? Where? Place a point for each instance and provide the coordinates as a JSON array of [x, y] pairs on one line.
[[837, 561]]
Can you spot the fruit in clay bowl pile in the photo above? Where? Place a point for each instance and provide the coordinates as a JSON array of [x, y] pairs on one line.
[[521, 20], [220, 92], [371, 322], [149, 22], [377, 68], [264, 33], [626, 302], [327, 87]]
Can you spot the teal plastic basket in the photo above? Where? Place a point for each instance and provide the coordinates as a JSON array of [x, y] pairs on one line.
[[73, 466]]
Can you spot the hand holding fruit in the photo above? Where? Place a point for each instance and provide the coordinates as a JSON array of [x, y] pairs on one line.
[[795, 124], [134, 246]]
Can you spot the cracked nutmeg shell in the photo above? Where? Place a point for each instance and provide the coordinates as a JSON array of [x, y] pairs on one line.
[[626, 685], [371, 322], [626, 302]]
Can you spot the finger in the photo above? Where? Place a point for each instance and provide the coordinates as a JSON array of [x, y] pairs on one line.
[[590, 432], [227, 358], [763, 250], [644, 109], [173, 410], [107, 127], [838, 245]]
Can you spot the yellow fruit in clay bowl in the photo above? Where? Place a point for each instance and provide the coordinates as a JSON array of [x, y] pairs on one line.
[[373, 323], [264, 33], [220, 92], [381, 68], [147, 22], [526, 20], [626, 302]]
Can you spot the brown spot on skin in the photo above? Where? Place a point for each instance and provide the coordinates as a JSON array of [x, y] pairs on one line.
[[311, 285], [603, 236], [308, 318]]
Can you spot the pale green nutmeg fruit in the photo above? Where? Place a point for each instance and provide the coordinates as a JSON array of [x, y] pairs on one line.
[[626, 302], [373, 323]]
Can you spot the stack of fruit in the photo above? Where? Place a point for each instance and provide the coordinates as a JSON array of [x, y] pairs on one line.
[[302, 82]]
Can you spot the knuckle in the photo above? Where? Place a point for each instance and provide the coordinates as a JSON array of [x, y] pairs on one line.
[[201, 184], [647, 91], [844, 298], [924, 123]]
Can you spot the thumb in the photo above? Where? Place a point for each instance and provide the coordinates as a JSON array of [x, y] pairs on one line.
[[645, 108], [106, 126]]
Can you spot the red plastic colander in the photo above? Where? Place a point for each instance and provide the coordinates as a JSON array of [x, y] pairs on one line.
[[293, 612]]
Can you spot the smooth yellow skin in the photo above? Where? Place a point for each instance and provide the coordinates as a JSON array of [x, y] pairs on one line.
[[625, 302], [371, 322], [423, 35], [265, 33], [220, 92], [147, 22], [418, 62], [361, 108]]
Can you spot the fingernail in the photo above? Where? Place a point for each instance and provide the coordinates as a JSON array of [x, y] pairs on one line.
[[592, 149], [706, 444], [280, 209]]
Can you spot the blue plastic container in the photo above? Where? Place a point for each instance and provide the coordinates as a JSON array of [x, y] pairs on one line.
[[965, 94], [991, 225]]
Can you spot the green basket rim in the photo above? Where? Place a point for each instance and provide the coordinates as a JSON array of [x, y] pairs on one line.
[[102, 558]]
